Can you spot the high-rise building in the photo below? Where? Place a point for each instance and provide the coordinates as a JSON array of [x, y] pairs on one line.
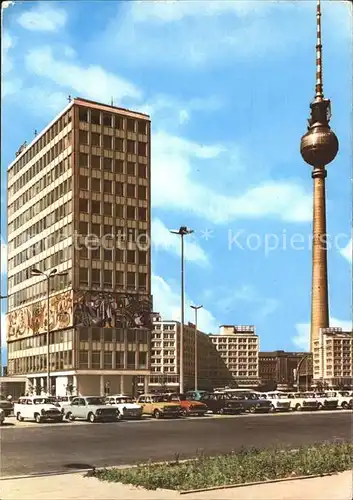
[[79, 204], [333, 357], [319, 147], [238, 346], [165, 362]]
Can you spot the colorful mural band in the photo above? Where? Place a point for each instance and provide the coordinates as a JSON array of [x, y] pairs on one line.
[[80, 309]]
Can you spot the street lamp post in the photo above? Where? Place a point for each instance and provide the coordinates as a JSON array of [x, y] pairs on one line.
[[48, 276], [196, 308], [1, 297], [182, 231]]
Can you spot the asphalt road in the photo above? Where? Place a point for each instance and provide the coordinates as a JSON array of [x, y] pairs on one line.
[[49, 448]]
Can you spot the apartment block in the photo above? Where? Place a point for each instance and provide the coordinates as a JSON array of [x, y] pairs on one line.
[[79, 202], [165, 361], [333, 357], [238, 347]]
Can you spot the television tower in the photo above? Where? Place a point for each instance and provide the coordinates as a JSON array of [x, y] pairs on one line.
[[318, 147]]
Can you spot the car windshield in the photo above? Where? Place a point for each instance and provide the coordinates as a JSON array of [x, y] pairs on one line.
[[43, 401], [95, 401], [160, 399], [124, 400]]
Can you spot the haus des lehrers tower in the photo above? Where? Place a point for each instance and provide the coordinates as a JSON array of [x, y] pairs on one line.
[[318, 147]]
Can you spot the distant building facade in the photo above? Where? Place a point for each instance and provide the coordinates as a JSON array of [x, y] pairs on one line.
[[285, 369]]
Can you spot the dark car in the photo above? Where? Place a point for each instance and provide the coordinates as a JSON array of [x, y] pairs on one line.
[[6, 405], [223, 404], [251, 402]]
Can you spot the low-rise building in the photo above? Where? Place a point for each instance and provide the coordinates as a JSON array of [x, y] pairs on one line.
[[238, 346], [333, 357], [285, 369]]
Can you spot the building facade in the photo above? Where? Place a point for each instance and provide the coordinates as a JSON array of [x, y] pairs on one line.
[[79, 202], [333, 358], [285, 370], [238, 347], [165, 361]]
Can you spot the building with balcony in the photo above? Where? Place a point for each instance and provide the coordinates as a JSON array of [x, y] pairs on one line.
[[238, 347], [333, 358], [79, 202]]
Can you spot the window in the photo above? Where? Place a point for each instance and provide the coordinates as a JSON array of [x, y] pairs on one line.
[[107, 142], [96, 254], [108, 254], [83, 276], [96, 184], [83, 253], [108, 164], [95, 161], [119, 278], [142, 170], [96, 229], [107, 208], [107, 187], [142, 258], [119, 189], [142, 213], [119, 360], [83, 205], [83, 334], [119, 122], [119, 255], [107, 120], [130, 125], [130, 168], [95, 117], [83, 360], [130, 212], [142, 280], [96, 276], [83, 114], [142, 127], [83, 228], [95, 139], [130, 279], [96, 207], [83, 182], [119, 166], [142, 149], [108, 360], [131, 359], [119, 210], [107, 278], [83, 160], [130, 191], [131, 147], [83, 137], [119, 144], [131, 259], [96, 359], [142, 192]]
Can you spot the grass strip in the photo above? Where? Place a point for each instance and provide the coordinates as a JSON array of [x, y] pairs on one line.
[[244, 466]]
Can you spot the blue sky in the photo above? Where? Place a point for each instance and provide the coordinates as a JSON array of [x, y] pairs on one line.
[[228, 86]]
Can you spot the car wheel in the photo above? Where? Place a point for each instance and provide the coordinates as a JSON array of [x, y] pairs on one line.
[[37, 418], [157, 414], [119, 416], [252, 409], [60, 419], [184, 412], [91, 418], [344, 405], [221, 411], [19, 417], [272, 409], [298, 407], [320, 406]]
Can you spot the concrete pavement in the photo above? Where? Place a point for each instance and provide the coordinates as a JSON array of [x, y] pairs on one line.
[[77, 487]]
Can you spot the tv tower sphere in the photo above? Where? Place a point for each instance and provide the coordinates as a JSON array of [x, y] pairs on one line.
[[319, 146]]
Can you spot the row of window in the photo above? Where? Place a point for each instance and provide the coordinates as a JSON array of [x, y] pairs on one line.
[[106, 186], [32, 364], [44, 223], [104, 278], [112, 120], [113, 143], [49, 135], [118, 233], [94, 360], [118, 211], [113, 335], [99, 163], [117, 255], [41, 205], [36, 341]]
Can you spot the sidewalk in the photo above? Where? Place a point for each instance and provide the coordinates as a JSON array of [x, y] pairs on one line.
[[77, 487]]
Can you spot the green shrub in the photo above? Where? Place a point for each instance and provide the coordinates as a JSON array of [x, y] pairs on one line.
[[233, 468]]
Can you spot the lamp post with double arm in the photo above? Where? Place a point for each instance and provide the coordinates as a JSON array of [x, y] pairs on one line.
[[196, 308], [48, 276], [182, 231]]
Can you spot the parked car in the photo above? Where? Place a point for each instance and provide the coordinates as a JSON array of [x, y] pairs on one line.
[[90, 408], [221, 403], [326, 402], [6, 405], [189, 407], [158, 406], [279, 401], [196, 395], [63, 402], [2, 416], [251, 401], [38, 408], [303, 401], [125, 406], [343, 398]]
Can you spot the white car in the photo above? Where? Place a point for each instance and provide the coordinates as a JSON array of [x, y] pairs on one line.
[[326, 401], [63, 402], [279, 401], [303, 401], [126, 407], [343, 398], [38, 408]]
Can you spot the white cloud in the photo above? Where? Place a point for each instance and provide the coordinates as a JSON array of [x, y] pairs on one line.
[[8, 43], [302, 337], [3, 258], [43, 17], [174, 188], [166, 301], [163, 239], [92, 82], [347, 251]]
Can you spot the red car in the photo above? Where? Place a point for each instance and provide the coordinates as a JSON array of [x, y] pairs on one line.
[[189, 406]]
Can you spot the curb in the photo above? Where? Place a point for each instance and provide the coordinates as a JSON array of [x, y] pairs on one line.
[[256, 483]]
